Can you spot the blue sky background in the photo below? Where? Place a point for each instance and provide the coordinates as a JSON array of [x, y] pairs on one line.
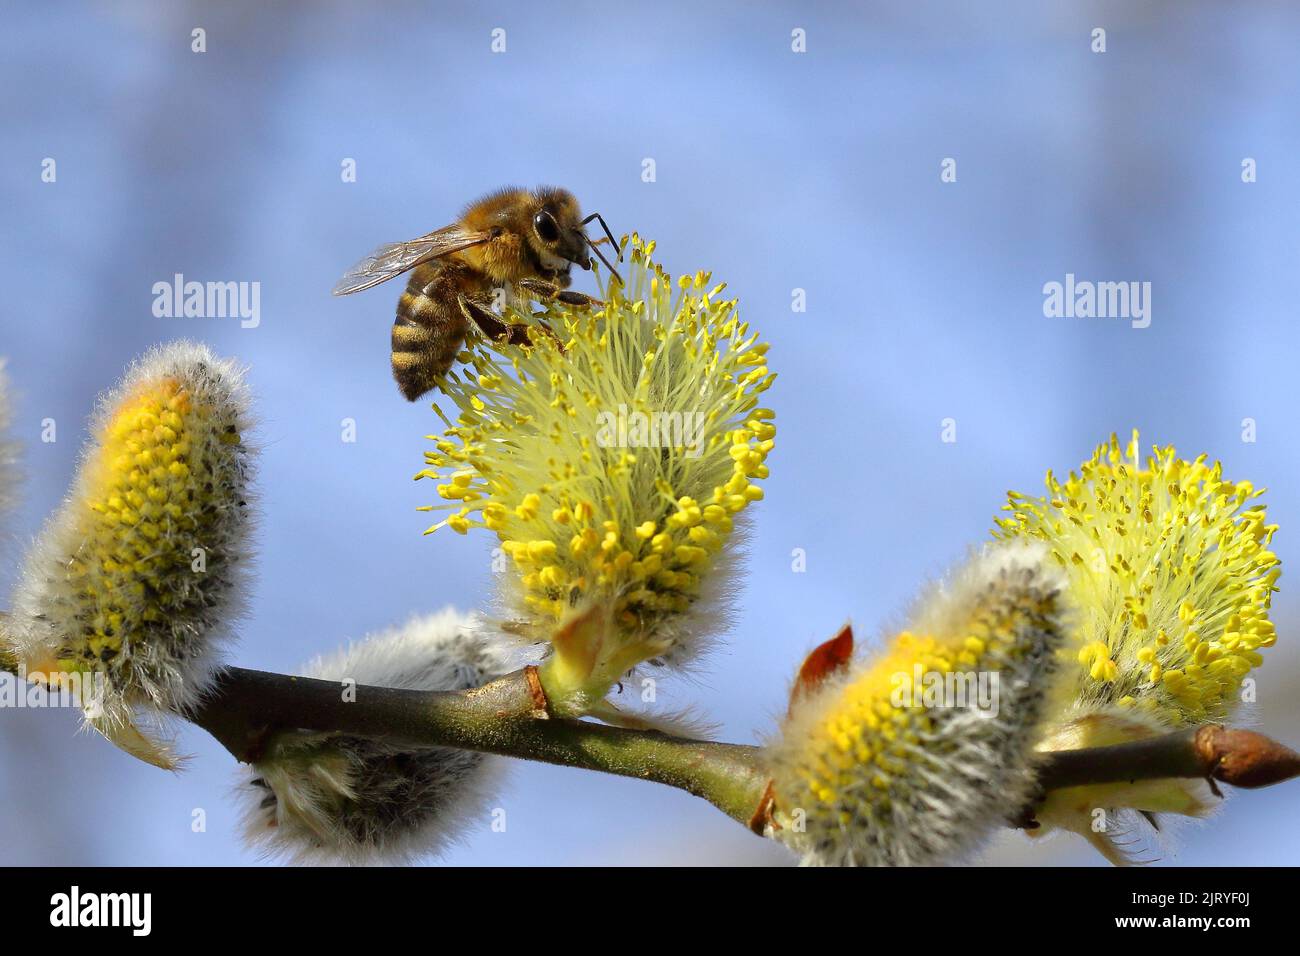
[[774, 169]]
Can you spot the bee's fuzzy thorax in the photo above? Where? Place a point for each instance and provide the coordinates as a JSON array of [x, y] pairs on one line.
[[501, 259], [339, 798], [862, 776], [513, 253], [137, 578]]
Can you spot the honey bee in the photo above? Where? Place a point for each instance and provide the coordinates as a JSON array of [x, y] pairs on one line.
[[524, 239]]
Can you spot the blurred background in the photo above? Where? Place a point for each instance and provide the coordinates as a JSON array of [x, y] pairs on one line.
[[778, 170]]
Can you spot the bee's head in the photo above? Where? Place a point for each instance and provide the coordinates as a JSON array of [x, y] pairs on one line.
[[556, 232]]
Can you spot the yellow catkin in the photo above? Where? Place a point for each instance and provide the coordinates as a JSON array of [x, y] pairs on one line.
[[133, 579], [892, 764], [612, 472]]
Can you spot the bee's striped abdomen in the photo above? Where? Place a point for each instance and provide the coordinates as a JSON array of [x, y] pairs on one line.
[[428, 332]]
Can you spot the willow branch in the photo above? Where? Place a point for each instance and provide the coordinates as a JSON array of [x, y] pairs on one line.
[[510, 717], [507, 716], [1242, 758]]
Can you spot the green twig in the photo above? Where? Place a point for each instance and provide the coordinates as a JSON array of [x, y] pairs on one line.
[[507, 716]]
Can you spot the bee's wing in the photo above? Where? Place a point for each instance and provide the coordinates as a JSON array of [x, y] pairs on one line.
[[394, 258]]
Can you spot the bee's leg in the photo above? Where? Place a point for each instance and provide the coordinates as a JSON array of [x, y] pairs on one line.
[[491, 323], [541, 289], [518, 333]]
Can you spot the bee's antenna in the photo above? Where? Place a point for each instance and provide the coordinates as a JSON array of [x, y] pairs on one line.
[[596, 249], [599, 219], [612, 241]]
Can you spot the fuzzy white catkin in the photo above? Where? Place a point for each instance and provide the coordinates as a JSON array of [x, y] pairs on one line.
[[135, 581], [863, 779], [330, 798]]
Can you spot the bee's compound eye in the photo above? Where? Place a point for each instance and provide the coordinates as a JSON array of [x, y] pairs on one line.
[[546, 227]]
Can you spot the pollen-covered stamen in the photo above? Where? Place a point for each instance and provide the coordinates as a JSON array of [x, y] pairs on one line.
[[1172, 565]]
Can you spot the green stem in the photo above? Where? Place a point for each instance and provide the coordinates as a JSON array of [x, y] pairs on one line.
[[506, 716]]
